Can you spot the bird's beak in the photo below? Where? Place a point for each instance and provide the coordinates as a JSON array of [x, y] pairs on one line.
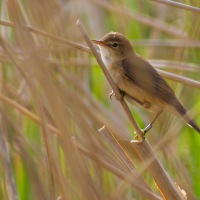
[[99, 42]]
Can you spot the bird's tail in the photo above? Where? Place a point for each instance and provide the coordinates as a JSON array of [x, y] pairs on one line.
[[183, 112]]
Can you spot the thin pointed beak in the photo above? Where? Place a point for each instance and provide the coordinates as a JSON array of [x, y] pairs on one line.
[[99, 42]]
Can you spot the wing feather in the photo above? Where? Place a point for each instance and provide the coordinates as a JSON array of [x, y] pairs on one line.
[[142, 74]]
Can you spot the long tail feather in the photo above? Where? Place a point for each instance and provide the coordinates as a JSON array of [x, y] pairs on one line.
[[183, 112]]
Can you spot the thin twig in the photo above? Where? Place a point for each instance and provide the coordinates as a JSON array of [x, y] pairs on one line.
[[27, 113], [178, 5], [181, 66], [180, 79], [6, 162], [47, 35], [117, 147]]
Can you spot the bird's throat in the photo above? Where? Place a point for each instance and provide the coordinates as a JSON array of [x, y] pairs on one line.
[[107, 57]]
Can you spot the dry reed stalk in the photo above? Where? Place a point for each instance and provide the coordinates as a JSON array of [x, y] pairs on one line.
[[145, 191], [5, 155], [179, 5]]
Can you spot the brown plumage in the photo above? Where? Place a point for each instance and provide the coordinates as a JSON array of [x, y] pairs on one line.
[[137, 78]]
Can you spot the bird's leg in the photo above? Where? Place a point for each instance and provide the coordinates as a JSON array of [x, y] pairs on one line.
[[148, 127]]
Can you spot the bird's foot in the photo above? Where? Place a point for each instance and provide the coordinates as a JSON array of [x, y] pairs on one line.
[[113, 94], [138, 139], [144, 131]]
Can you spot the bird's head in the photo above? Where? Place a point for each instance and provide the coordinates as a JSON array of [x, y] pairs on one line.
[[114, 45]]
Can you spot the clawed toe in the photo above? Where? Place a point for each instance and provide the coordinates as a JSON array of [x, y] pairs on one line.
[[144, 131], [111, 95], [118, 98], [137, 140]]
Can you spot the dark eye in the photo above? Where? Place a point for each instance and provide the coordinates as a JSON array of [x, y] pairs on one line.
[[115, 45]]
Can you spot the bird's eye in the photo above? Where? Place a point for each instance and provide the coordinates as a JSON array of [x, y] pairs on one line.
[[115, 45]]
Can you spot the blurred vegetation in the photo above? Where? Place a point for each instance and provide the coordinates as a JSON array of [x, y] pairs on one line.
[[66, 90]]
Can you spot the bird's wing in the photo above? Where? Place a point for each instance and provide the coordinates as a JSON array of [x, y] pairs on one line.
[[143, 75]]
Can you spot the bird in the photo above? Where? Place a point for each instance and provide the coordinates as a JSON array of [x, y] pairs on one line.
[[138, 80]]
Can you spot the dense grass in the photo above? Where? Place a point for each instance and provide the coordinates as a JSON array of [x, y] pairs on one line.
[[56, 151]]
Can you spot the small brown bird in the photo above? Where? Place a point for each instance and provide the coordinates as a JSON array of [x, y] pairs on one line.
[[137, 79]]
